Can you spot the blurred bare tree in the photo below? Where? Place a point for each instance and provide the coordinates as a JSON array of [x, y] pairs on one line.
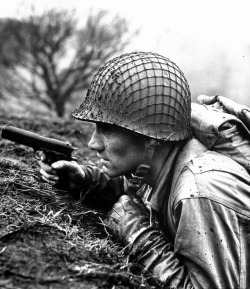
[[59, 57]]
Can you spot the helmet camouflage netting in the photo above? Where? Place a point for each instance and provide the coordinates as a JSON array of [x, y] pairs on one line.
[[143, 92]]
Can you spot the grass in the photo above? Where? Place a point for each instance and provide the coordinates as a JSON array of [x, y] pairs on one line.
[[49, 238]]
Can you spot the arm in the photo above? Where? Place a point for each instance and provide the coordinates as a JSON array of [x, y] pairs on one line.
[[205, 252], [204, 255], [95, 187], [101, 190], [129, 221]]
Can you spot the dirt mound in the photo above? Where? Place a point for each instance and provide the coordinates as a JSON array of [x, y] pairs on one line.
[[48, 238]]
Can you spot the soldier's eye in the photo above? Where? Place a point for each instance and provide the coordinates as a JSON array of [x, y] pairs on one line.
[[104, 128]]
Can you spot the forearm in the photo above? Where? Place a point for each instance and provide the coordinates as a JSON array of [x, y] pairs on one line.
[[155, 253], [100, 190], [129, 220]]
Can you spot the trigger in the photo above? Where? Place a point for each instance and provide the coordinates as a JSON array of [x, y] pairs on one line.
[[40, 156]]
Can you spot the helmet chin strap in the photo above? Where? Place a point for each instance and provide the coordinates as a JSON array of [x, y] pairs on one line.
[[143, 169]]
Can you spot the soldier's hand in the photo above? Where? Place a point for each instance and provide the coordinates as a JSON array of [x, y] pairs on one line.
[[128, 218], [68, 174]]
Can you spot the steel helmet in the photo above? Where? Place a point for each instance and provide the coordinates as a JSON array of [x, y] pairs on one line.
[[143, 92]]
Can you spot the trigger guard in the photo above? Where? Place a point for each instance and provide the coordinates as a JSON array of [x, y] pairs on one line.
[[40, 156]]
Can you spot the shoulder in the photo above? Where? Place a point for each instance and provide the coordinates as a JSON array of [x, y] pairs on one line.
[[215, 177], [213, 161]]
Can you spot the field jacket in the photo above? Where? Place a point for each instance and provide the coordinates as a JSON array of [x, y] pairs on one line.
[[200, 237]]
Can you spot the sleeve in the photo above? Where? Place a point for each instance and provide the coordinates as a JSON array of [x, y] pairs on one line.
[[205, 250], [100, 191], [155, 252]]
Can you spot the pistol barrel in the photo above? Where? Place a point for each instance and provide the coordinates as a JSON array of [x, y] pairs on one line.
[[35, 140]]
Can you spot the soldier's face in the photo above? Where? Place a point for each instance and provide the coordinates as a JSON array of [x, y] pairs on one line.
[[120, 151]]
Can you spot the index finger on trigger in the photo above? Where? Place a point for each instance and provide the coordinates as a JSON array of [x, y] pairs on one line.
[[45, 167]]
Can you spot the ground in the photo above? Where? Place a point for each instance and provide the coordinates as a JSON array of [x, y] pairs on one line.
[[49, 238]]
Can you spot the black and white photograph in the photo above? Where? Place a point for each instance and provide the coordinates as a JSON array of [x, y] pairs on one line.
[[125, 144]]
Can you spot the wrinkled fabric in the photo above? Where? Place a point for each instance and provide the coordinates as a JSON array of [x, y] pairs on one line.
[[100, 191], [127, 219], [222, 132], [224, 104], [209, 220], [204, 235], [155, 199]]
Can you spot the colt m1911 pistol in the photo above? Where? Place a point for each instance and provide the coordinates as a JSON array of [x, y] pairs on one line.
[[52, 150]]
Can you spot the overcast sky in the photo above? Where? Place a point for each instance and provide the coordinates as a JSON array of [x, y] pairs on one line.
[[208, 39]]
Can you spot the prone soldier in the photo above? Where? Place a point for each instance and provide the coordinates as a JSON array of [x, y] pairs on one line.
[[182, 210]]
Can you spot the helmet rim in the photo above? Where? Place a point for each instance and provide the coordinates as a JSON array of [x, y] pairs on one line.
[[142, 92]]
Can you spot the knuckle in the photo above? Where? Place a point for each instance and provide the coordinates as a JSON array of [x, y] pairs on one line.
[[124, 198]]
